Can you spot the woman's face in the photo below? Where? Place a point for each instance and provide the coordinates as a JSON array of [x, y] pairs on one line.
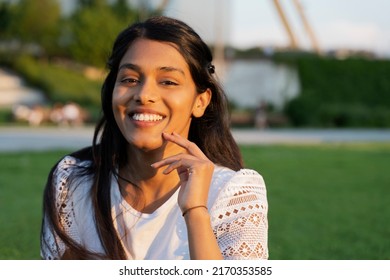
[[154, 93]]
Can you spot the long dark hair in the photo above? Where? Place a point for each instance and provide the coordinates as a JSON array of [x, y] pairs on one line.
[[211, 132]]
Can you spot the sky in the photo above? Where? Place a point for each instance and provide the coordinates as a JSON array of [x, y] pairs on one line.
[[337, 24]]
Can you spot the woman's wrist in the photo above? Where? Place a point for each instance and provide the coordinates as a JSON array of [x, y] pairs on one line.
[[187, 210], [196, 215]]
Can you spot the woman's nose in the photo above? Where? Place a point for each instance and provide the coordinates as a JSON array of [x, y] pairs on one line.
[[147, 93]]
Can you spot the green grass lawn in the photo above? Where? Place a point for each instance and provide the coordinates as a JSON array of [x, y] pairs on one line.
[[325, 201]]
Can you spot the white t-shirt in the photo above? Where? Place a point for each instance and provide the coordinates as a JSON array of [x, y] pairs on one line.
[[237, 204]]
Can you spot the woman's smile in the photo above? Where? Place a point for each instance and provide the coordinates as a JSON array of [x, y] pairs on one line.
[[145, 118]]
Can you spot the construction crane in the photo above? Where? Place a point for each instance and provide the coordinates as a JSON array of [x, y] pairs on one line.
[[161, 6], [293, 40], [283, 18]]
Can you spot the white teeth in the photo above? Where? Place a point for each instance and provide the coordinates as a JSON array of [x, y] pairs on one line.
[[147, 117]]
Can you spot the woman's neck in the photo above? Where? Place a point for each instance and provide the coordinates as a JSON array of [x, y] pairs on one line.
[[144, 187]]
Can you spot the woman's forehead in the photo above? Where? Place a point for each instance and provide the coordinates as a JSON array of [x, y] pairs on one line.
[[145, 47]]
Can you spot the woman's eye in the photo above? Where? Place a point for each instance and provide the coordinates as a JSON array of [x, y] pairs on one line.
[[169, 83], [130, 81]]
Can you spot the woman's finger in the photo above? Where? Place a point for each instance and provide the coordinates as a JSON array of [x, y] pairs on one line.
[[191, 147], [179, 165], [168, 160], [175, 162]]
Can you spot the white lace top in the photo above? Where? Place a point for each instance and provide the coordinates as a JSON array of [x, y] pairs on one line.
[[237, 204]]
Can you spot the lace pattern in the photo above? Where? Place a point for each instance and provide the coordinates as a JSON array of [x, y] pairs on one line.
[[52, 246], [239, 217]]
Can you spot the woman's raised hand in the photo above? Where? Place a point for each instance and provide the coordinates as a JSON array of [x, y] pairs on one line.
[[195, 171]]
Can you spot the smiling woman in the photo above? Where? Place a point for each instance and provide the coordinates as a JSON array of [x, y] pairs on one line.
[[164, 178]]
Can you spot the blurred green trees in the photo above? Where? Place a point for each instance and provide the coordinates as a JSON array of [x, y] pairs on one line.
[[42, 29], [353, 92], [35, 23]]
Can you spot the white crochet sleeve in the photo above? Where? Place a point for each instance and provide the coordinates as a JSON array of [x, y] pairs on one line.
[[239, 217], [52, 247]]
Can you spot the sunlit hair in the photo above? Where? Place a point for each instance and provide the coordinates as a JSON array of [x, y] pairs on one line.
[[211, 132]]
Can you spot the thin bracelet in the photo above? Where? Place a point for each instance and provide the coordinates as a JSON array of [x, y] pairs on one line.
[[189, 209]]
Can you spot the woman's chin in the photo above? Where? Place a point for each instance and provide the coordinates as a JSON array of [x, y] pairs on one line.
[[147, 145]]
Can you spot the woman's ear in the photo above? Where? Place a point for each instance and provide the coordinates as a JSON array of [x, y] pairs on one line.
[[202, 101]]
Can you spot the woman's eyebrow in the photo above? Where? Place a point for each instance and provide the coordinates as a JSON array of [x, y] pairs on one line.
[[171, 69], [130, 66], [134, 67]]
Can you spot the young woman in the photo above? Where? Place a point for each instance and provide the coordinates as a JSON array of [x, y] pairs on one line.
[[164, 178]]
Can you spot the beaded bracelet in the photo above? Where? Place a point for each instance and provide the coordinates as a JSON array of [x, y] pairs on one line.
[[189, 209]]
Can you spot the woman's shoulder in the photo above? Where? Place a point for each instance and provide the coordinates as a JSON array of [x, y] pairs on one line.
[[227, 182], [71, 163], [69, 172], [80, 158], [222, 175], [248, 178]]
